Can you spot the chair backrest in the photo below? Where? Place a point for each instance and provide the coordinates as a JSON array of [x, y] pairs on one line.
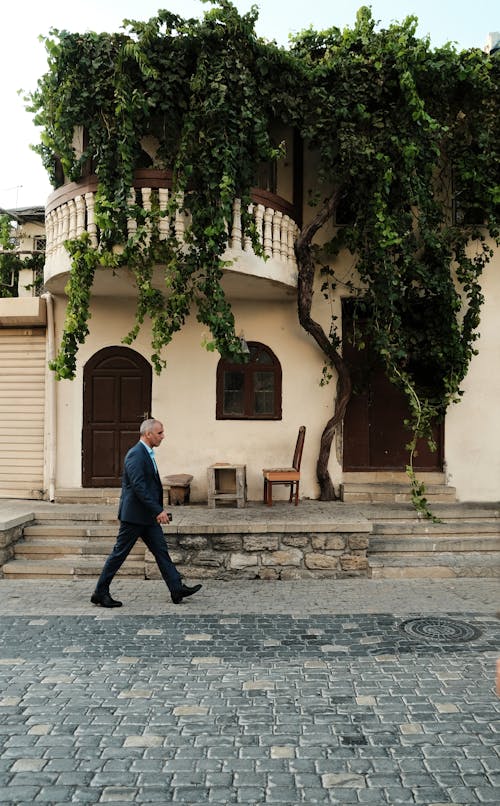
[[297, 455]]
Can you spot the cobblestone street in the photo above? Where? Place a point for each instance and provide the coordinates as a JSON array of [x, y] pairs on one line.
[[216, 702]]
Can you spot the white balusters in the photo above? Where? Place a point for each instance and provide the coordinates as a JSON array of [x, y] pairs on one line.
[[59, 228], [146, 205], [131, 222], [146, 199], [65, 222], [80, 215], [49, 234], [247, 245], [236, 229], [164, 224], [91, 225], [180, 219], [288, 240], [259, 219], [72, 219], [268, 231], [277, 234]]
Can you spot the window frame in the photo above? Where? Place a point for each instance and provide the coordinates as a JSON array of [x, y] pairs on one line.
[[248, 370]]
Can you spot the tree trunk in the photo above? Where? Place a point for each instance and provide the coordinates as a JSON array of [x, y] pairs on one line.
[[306, 272]]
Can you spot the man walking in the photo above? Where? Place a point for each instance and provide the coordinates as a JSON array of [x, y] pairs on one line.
[[141, 514]]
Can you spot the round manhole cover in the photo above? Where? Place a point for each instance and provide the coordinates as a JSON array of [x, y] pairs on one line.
[[440, 630]]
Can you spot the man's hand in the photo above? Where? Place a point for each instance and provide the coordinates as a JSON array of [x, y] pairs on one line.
[[164, 517]]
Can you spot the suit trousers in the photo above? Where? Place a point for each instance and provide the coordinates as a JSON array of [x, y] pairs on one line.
[[154, 539]]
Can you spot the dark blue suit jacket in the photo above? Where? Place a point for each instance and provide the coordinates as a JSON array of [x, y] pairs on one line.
[[142, 491]]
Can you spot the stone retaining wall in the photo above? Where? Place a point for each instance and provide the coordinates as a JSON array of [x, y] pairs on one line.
[[270, 555], [8, 536]]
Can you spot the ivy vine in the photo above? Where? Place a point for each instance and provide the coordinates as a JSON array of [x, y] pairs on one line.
[[408, 149], [11, 262]]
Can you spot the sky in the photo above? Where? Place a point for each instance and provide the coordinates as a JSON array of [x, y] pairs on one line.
[[23, 180]]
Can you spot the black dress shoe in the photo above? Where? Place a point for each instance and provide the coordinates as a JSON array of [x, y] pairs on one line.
[[178, 595], [105, 600]]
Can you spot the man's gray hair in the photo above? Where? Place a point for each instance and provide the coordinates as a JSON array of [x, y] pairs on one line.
[[147, 425]]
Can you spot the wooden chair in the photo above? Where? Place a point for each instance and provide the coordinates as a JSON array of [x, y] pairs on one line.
[[286, 475]]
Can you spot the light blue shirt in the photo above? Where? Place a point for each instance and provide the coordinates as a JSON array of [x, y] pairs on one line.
[[151, 455]]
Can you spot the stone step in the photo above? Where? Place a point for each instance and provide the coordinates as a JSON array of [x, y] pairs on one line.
[[407, 544], [430, 530], [67, 568], [391, 477], [387, 492], [427, 550], [440, 565], [71, 530], [88, 495], [452, 512], [73, 513], [45, 548]]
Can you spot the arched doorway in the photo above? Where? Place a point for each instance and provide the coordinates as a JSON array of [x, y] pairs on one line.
[[116, 398]]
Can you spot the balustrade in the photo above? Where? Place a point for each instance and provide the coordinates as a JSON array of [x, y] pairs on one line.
[[74, 214]]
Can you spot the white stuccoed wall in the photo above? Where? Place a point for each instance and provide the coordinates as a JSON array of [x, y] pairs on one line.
[[472, 436], [184, 398]]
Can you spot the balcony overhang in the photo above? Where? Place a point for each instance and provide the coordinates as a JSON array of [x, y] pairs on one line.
[[70, 213]]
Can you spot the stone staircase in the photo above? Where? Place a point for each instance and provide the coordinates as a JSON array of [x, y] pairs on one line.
[[381, 541], [385, 487], [70, 544], [465, 544]]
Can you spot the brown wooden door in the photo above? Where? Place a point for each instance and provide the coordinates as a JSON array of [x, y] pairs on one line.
[[374, 433], [116, 398]]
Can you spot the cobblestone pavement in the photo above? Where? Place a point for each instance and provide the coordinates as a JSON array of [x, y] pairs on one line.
[[254, 693]]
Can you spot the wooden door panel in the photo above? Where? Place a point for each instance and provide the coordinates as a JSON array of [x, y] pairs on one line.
[[103, 393], [375, 436], [387, 412], [127, 439], [103, 449], [356, 432], [131, 399], [117, 394]]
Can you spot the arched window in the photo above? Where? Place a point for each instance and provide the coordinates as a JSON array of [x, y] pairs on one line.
[[250, 391]]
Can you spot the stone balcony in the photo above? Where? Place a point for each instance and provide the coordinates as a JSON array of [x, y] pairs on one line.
[[71, 211]]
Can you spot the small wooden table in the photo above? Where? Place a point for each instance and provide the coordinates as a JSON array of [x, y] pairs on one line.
[[227, 483]]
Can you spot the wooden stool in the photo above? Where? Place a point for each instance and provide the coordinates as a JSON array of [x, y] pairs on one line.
[[178, 488]]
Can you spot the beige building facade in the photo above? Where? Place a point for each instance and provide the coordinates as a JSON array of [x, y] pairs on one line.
[[73, 437]]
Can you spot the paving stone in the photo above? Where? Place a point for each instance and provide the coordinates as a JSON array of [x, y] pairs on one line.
[[383, 719], [220, 794], [118, 794], [397, 794], [86, 796], [462, 795], [54, 794], [153, 794], [18, 794], [250, 794]]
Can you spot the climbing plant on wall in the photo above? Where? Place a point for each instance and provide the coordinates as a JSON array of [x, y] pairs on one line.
[[408, 149], [11, 261], [199, 88]]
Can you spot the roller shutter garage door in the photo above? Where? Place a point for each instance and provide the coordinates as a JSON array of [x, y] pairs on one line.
[[22, 412]]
